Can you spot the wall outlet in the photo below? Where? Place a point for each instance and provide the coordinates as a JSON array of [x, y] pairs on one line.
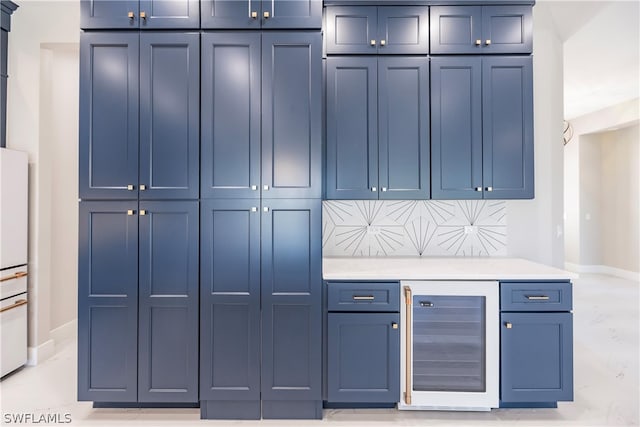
[[373, 229], [470, 229]]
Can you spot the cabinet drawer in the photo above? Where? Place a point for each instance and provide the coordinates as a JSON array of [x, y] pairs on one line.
[[535, 296], [369, 296]]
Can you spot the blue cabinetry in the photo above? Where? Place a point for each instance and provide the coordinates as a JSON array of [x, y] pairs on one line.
[[377, 30], [143, 14], [481, 29], [363, 343], [138, 302], [265, 14], [261, 118], [377, 128], [139, 110], [482, 127], [536, 350], [261, 308]]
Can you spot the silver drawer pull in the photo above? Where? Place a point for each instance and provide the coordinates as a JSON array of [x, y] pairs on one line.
[[363, 297], [537, 297], [426, 304]]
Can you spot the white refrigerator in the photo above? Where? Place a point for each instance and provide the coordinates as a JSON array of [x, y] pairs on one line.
[[14, 214]]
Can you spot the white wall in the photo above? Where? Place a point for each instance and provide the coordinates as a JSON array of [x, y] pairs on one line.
[[534, 227], [37, 27]]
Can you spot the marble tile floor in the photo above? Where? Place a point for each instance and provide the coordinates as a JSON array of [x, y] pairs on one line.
[[606, 354]]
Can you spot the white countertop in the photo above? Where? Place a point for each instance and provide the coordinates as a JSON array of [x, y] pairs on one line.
[[439, 268]]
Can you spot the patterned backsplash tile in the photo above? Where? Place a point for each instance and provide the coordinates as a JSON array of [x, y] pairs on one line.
[[414, 228]]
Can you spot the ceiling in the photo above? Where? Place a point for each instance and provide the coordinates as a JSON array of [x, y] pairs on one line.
[[601, 52]]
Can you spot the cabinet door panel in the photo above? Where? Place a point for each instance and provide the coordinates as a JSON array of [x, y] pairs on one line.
[[403, 30], [455, 29], [169, 115], [166, 14], [292, 14], [456, 128], [168, 320], [536, 357], [509, 28], [403, 108], [507, 87], [230, 115], [351, 29], [230, 300], [108, 302], [291, 300], [230, 14], [291, 115], [363, 352], [108, 115], [96, 14], [352, 134]]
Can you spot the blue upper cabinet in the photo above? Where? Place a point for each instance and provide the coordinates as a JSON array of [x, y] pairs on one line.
[[481, 29], [403, 128], [291, 115], [352, 131], [108, 301], [168, 302], [143, 14], [169, 116], [109, 116], [507, 128], [139, 112], [377, 128], [482, 128], [230, 115], [256, 14], [377, 30]]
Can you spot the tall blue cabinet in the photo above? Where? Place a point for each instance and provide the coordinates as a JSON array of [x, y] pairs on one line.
[[200, 185]]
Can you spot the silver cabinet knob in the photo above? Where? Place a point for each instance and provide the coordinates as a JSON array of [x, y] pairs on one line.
[[383, 42], [478, 42], [487, 42], [130, 212], [265, 209], [254, 187], [131, 187], [265, 187], [143, 212], [478, 188], [373, 42], [143, 187], [143, 15], [508, 325], [254, 209], [384, 189], [131, 15], [254, 15], [374, 189], [266, 15], [394, 325], [488, 189]]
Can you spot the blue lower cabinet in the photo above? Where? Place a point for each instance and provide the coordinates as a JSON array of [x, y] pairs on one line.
[[108, 302], [291, 309], [138, 302], [168, 302], [363, 357], [230, 309], [536, 358]]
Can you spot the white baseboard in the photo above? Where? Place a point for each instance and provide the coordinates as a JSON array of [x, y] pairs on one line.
[[603, 269], [37, 355], [64, 332]]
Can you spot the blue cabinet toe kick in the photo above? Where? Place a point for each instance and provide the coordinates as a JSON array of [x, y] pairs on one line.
[[230, 409], [528, 404]]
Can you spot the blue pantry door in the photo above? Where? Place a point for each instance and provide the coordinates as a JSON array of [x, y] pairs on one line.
[[507, 117], [456, 127], [352, 131], [230, 116], [169, 115], [168, 302], [291, 307], [291, 115], [109, 115], [230, 304], [403, 120], [108, 301], [456, 29]]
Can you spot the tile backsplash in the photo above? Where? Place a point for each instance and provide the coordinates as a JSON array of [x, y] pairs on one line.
[[414, 228]]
